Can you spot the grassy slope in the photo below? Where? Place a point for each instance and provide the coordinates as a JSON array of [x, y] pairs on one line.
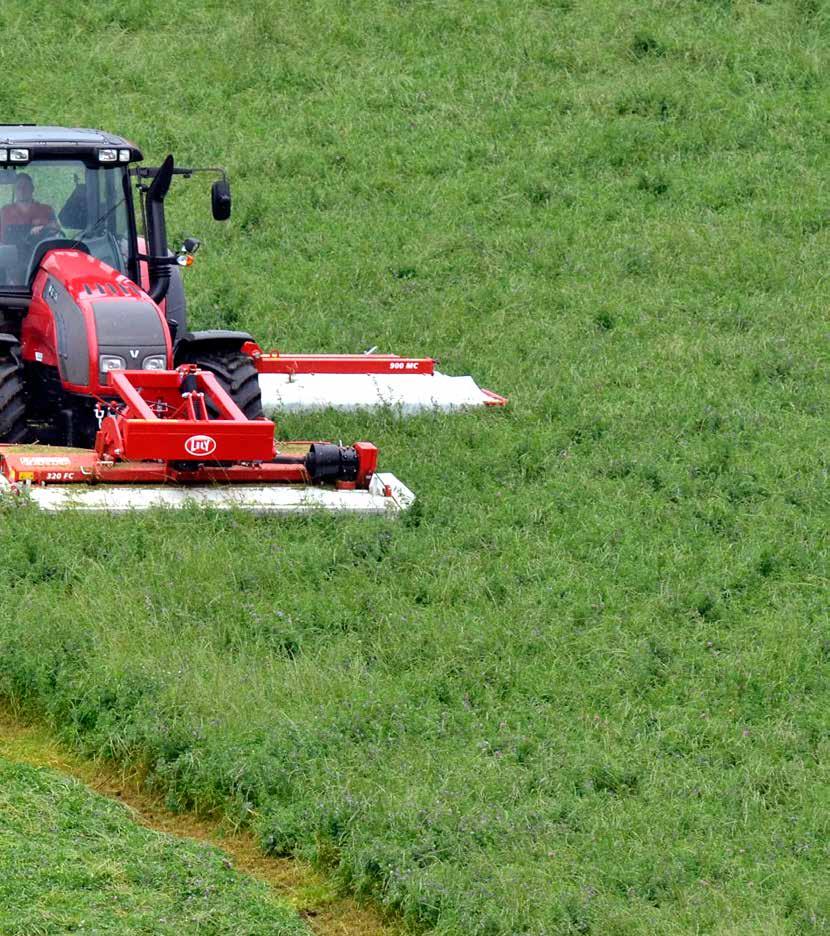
[[72, 861], [583, 687]]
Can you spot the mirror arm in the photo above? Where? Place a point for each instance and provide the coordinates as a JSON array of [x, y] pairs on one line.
[[160, 261], [149, 172]]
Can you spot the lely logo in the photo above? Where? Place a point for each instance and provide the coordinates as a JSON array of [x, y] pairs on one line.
[[200, 446]]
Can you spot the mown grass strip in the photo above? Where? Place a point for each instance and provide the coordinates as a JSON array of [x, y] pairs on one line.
[[73, 861]]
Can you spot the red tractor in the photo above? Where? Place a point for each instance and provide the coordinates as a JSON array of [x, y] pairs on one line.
[[80, 292], [96, 353]]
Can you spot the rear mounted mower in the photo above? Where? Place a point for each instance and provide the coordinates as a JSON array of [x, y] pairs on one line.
[[109, 401], [361, 381]]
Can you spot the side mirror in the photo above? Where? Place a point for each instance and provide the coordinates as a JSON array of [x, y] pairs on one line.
[[220, 200], [184, 257]]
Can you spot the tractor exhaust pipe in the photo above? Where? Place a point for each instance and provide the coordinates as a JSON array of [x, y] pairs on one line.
[[158, 254]]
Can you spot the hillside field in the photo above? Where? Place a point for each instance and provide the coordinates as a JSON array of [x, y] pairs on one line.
[[582, 687]]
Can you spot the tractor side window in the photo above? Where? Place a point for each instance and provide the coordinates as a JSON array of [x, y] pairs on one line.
[[26, 216]]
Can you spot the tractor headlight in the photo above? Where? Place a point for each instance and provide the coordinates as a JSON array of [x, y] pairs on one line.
[[154, 362], [108, 362], [124, 155], [19, 155], [107, 155]]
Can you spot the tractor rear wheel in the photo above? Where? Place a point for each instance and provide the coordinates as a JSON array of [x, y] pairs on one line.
[[237, 375], [12, 399]]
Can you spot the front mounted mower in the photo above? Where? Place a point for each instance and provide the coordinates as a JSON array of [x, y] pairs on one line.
[[109, 401], [226, 461]]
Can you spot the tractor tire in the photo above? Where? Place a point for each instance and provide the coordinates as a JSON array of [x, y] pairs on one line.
[[237, 375], [12, 397]]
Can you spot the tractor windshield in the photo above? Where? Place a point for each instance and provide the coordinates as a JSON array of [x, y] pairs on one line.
[[60, 200]]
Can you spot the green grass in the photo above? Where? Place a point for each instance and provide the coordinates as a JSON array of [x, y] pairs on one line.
[[583, 686], [74, 862]]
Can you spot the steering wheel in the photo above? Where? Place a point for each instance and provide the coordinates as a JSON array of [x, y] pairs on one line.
[[41, 232], [29, 245]]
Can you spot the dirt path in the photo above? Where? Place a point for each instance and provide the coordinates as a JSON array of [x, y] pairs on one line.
[[326, 913]]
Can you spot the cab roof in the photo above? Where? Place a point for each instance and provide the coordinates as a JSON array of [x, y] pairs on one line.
[[63, 141]]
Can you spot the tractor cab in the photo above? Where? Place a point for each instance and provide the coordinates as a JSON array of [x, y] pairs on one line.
[[68, 188], [81, 293], [63, 188], [67, 202]]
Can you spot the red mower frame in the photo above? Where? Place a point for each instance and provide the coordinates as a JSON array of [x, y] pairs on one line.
[[159, 431]]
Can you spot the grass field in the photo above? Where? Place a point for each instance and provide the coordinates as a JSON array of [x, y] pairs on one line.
[[583, 686]]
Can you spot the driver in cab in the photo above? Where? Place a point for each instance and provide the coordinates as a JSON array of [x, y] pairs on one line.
[[24, 214]]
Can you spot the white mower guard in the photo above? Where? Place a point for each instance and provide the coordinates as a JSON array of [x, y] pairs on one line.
[[386, 496], [410, 393]]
